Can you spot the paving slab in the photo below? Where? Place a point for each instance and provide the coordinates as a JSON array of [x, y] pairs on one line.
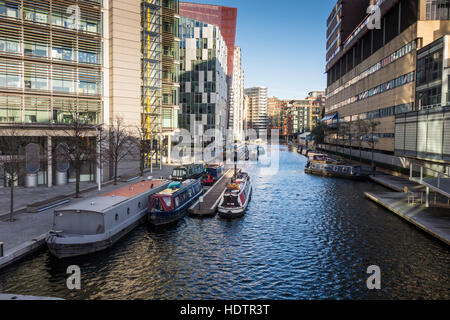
[[435, 221], [397, 183]]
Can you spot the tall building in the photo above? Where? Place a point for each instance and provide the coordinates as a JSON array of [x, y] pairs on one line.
[[223, 17], [226, 19], [159, 73], [50, 67], [121, 60], [204, 89], [274, 114], [257, 109], [237, 112], [376, 73]]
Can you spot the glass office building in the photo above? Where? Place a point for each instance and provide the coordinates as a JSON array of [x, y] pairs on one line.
[[50, 67], [203, 81]]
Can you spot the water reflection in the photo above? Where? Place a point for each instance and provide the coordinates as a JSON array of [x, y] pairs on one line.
[[304, 237]]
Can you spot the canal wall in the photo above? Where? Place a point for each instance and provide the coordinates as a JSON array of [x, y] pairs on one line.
[[390, 162]]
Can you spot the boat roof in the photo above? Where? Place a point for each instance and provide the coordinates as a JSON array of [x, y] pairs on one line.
[[103, 202], [97, 204], [183, 185], [135, 189]]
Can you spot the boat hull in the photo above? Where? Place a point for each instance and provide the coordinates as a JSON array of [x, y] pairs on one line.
[[164, 219], [330, 174], [84, 245], [239, 212]]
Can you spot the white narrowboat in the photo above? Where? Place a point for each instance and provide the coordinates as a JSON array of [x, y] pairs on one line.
[[95, 224]]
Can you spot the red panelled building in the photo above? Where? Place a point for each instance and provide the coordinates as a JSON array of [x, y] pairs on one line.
[[223, 17]]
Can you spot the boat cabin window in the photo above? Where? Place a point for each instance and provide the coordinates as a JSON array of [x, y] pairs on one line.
[[128, 210], [179, 172], [167, 201]]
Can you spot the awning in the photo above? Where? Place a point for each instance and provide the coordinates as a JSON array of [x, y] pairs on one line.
[[330, 117]]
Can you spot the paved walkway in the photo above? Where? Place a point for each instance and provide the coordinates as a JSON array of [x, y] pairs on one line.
[[435, 221], [397, 183], [27, 233], [210, 199]]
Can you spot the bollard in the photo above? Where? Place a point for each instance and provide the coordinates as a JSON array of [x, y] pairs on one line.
[[1, 249]]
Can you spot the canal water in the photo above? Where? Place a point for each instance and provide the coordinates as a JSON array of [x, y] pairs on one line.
[[303, 237]]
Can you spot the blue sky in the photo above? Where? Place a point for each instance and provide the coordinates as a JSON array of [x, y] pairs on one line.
[[283, 43]]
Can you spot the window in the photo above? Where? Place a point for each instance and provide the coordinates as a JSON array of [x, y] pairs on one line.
[[9, 45], [9, 9], [167, 201], [117, 217], [35, 49], [62, 53], [35, 15], [87, 57]]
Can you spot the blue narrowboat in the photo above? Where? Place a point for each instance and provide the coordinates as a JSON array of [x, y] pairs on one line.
[[212, 173], [171, 204]]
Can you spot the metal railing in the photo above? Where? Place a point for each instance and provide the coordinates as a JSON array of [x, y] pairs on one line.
[[429, 177]]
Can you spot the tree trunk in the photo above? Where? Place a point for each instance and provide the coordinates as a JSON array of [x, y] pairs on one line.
[[142, 165], [116, 165], [11, 211], [77, 182]]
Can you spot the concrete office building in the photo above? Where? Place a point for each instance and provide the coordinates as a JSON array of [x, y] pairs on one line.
[[50, 67], [204, 89], [257, 109], [375, 74], [120, 60]]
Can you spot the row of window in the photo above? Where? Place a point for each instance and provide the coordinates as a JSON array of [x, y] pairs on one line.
[[400, 81], [41, 50], [410, 47], [39, 83], [12, 10]]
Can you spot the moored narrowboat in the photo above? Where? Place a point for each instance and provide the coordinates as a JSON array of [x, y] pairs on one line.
[[187, 172], [236, 197], [171, 205], [213, 172], [327, 169], [95, 224]]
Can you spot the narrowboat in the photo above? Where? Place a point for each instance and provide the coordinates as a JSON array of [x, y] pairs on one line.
[[187, 172], [327, 169], [213, 172], [171, 204], [95, 224], [236, 197]]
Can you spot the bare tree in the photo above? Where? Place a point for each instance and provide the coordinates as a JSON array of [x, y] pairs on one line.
[[361, 131], [372, 139], [12, 147], [119, 145], [81, 142], [142, 143], [346, 131]]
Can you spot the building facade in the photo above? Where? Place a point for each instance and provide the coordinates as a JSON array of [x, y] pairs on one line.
[[375, 74], [257, 109], [51, 67], [237, 114], [204, 88], [226, 19], [103, 60]]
